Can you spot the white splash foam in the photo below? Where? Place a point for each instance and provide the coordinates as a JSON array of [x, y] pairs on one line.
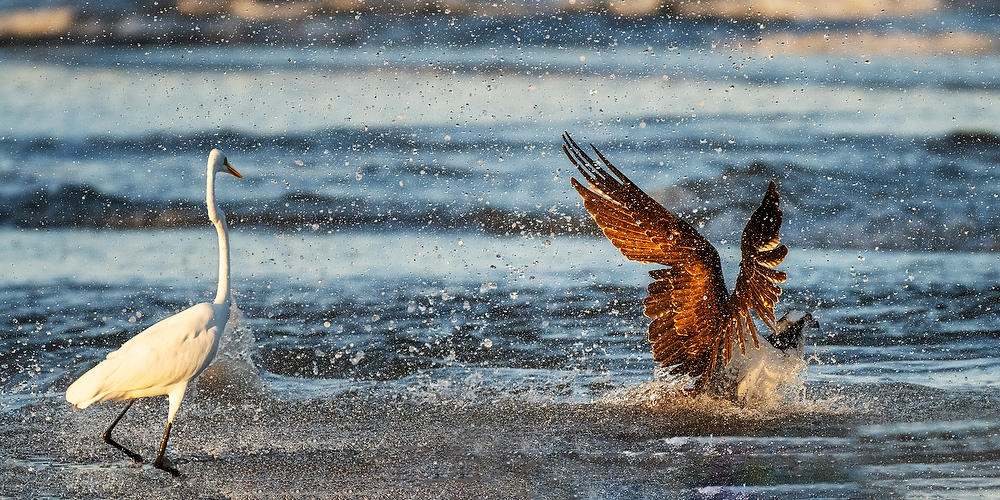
[[233, 376]]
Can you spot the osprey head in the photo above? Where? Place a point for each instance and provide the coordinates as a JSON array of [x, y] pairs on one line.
[[791, 330]]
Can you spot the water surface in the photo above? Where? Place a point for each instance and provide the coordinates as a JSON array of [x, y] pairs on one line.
[[425, 308]]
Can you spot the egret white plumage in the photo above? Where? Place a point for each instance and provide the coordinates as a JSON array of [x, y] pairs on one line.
[[162, 359]]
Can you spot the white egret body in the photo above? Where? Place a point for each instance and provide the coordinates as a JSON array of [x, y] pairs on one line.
[[166, 356]]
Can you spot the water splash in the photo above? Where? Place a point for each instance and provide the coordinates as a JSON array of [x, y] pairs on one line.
[[233, 377]]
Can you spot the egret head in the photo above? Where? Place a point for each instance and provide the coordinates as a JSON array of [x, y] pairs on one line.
[[219, 163]]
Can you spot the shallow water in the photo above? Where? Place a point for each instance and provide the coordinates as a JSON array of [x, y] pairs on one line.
[[423, 376], [425, 307]]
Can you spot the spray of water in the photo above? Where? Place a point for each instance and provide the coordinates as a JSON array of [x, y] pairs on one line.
[[233, 377], [778, 397]]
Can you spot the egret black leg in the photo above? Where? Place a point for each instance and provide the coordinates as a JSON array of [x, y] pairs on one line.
[[107, 435], [161, 462]]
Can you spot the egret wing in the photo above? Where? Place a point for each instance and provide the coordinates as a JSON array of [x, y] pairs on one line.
[[687, 297], [167, 353], [756, 285]]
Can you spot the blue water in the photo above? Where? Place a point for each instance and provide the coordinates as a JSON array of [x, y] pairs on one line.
[[426, 307]]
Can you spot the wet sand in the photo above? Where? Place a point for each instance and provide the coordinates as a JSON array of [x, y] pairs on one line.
[[361, 445]]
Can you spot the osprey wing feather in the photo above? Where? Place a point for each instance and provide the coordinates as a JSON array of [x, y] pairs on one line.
[[688, 296], [694, 318], [756, 284]]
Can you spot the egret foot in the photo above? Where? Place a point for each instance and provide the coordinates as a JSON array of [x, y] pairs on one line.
[[161, 461], [107, 435], [163, 464], [131, 454]]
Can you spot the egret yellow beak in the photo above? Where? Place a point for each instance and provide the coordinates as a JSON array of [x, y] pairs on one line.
[[225, 161]]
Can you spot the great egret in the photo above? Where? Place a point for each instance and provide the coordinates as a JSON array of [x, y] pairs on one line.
[[696, 322], [163, 358]]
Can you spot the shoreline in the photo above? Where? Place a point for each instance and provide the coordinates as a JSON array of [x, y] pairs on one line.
[[354, 446], [351, 23]]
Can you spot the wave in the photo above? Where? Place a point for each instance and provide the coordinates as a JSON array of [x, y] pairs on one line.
[[833, 198], [965, 142], [956, 143], [98, 145], [830, 224], [83, 206]]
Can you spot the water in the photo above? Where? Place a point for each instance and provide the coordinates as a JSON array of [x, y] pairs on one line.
[[426, 308]]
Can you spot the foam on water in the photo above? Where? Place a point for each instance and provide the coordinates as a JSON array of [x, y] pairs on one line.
[[233, 377]]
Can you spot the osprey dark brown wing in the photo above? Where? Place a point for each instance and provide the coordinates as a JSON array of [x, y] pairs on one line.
[[688, 301], [756, 284]]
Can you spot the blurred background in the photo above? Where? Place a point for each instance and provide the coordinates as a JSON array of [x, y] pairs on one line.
[[886, 102]]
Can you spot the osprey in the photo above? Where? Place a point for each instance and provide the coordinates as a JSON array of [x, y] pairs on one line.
[[696, 321]]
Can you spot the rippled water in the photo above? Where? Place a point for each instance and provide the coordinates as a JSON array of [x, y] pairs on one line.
[[425, 308]]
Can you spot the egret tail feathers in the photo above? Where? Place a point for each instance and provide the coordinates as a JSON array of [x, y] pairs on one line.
[[93, 387], [125, 377], [108, 381]]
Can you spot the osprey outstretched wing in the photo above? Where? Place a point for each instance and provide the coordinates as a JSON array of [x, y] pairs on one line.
[[695, 321]]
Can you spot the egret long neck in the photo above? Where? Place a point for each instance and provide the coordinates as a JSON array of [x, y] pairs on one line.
[[218, 219]]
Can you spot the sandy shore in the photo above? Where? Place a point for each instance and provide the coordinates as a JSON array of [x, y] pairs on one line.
[[356, 446]]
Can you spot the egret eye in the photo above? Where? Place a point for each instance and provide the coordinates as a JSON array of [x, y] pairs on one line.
[[225, 161]]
